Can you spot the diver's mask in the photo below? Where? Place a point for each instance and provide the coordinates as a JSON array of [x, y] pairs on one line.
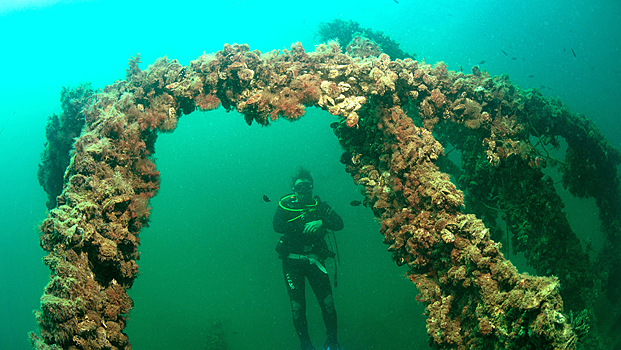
[[303, 188]]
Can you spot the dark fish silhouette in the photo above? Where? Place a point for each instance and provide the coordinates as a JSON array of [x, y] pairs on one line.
[[503, 51], [334, 125], [514, 58], [266, 199], [531, 76], [574, 52], [396, 1], [483, 61], [355, 203]]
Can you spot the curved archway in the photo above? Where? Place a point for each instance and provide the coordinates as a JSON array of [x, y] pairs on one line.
[[208, 263], [474, 297]]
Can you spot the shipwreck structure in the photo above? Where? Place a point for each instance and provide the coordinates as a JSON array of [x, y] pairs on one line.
[[396, 118]]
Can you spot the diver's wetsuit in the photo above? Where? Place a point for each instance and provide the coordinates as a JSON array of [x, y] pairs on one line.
[[295, 248]]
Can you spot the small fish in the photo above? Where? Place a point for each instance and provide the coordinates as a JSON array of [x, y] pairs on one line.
[[513, 58], [531, 76], [483, 61], [334, 125], [266, 199], [461, 69], [574, 52], [355, 203], [396, 1], [503, 51]]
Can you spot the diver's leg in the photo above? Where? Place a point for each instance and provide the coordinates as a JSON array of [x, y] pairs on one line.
[[294, 279], [320, 282]]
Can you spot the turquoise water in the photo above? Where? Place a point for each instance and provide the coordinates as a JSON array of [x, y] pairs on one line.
[[208, 255]]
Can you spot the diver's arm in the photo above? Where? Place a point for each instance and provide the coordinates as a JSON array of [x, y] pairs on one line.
[[281, 225], [331, 220]]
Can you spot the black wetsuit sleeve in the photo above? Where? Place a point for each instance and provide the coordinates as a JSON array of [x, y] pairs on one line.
[[331, 220], [281, 225]]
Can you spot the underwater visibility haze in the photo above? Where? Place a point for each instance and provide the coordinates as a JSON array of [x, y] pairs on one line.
[[492, 178]]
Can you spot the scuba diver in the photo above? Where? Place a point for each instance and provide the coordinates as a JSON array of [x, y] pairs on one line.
[[304, 221]]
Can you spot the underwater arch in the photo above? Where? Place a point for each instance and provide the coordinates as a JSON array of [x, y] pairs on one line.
[[391, 116]]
